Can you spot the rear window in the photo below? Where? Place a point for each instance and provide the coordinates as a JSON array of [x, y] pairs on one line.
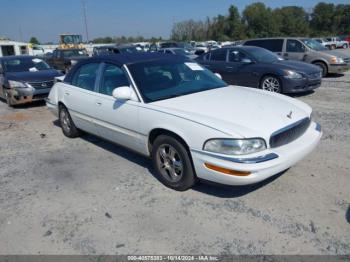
[[274, 45]]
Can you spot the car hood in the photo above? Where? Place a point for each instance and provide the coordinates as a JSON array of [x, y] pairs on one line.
[[297, 66], [336, 53], [44, 75], [237, 111]]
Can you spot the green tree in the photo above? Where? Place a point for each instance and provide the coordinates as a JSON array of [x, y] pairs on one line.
[[33, 40], [260, 21], [235, 27], [292, 21], [322, 19]]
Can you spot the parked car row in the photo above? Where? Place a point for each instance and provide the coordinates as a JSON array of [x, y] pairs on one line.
[[306, 50]]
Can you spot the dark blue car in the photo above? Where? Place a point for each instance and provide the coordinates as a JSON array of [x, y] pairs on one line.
[[24, 79], [259, 68]]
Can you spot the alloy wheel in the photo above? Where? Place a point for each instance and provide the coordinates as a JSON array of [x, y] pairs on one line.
[[65, 121], [169, 163], [271, 84]]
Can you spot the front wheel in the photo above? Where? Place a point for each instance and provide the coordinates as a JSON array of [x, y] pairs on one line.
[[67, 125], [323, 67], [345, 46], [8, 99], [271, 83], [172, 163]]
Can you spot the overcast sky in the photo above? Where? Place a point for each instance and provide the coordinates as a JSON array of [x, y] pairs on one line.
[[46, 19]]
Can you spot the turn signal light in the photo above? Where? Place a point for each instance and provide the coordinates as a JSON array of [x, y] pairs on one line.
[[226, 171]]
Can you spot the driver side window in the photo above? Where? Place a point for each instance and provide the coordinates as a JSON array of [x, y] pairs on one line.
[[294, 46], [236, 56], [112, 77]]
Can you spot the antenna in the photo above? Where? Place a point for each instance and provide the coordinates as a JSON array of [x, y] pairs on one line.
[[85, 21]]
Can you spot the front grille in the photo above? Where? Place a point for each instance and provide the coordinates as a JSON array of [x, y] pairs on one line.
[[289, 133], [42, 85], [40, 96], [347, 60]]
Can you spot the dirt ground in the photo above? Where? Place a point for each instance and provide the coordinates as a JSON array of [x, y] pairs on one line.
[[88, 196]]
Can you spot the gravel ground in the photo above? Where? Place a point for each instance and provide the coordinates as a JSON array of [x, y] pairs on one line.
[[87, 196]]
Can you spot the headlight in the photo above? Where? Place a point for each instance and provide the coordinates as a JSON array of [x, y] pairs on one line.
[[292, 74], [235, 146], [13, 83], [337, 60]]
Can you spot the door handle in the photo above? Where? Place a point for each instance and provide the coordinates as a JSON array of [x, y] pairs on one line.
[[98, 103], [229, 67], [67, 93], [286, 54]]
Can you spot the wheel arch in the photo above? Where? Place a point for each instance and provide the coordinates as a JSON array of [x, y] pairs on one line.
[[155, 132]]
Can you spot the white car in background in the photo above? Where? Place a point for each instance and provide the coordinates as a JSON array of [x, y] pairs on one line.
[[191, 123]]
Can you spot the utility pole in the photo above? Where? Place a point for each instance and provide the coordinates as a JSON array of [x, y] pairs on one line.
[[20, 34], [85, 21]]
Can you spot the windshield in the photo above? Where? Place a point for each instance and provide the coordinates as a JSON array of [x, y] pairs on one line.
[[129, 49], [25, 65], [264, 56], [77, 52], [159, 80], [313, 44]]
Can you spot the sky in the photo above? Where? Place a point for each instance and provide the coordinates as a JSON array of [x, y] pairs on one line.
[[46, 19]]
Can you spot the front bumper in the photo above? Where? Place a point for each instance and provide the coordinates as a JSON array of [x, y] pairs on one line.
[[300, 85], [52, 107], [261, 165], [27, 95], [338, 68]]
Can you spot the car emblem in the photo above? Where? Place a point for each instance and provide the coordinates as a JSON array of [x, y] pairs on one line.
[[290, 115], [44, 85]]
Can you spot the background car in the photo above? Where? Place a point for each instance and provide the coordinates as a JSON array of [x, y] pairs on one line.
[[306, 50], [24, 79], [190, 122], [338, 42], [326, 43], [115, 49], [63, 59], [177, 51], [260, 68]]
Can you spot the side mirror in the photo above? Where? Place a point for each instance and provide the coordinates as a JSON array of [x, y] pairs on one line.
[[218, 75], [247, 61], [124, 93]]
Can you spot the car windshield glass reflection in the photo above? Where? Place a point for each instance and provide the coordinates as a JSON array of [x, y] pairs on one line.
[[167, 79], [24, 65], [313, 44], [70, 53]]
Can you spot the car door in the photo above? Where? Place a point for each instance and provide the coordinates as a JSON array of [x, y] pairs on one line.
[[117, 120], [79, 96], [216, 62], [239, 71], [295, 50]]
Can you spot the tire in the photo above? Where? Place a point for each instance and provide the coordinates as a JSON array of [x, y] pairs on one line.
[[8, 99], [67, 124], [271, 83], [333, 47], [172, 163], [345, 46], [323, 67]]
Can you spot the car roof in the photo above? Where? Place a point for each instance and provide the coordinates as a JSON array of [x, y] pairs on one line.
[[11, 57], [134, 58], [273, 38]]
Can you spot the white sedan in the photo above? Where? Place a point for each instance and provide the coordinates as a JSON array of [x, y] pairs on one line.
[[191, 123]]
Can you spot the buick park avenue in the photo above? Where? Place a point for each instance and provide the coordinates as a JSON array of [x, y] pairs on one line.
[[185, 118]]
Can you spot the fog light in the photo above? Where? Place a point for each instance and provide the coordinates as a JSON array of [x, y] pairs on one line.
[[226, 171]]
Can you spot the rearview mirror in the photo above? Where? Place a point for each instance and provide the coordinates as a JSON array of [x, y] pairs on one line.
[[218, 75], [124, 93]]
